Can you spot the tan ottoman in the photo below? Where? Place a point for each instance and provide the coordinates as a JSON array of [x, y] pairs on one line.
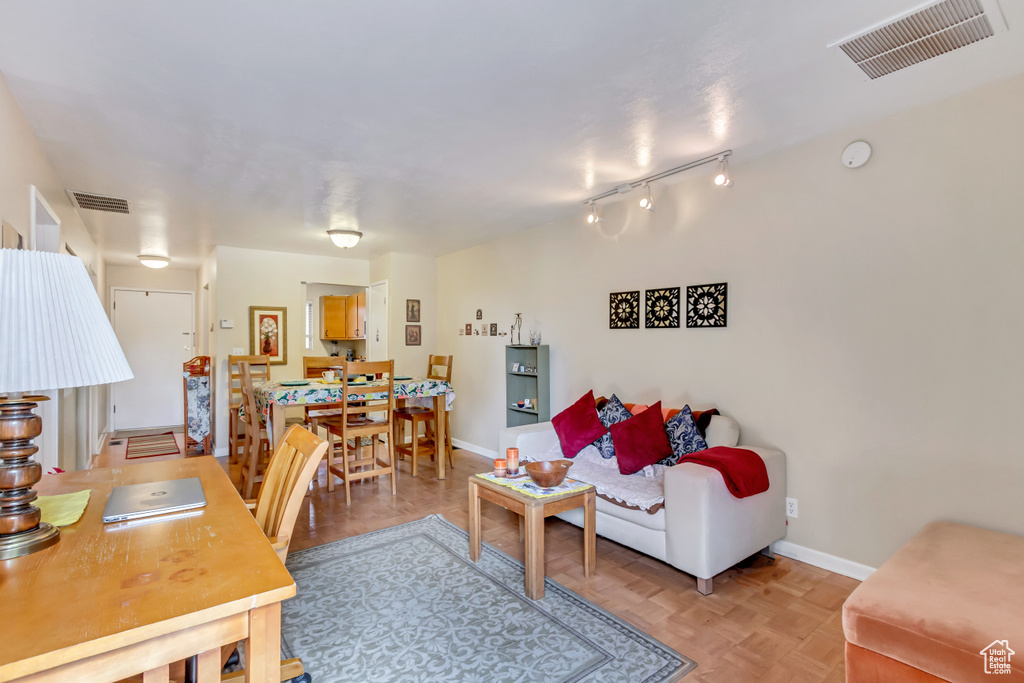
[[927, 613]]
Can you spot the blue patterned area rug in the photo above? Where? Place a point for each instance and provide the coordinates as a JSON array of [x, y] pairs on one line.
[[407, 604]]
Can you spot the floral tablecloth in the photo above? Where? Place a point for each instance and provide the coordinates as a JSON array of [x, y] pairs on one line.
[[322, 392]]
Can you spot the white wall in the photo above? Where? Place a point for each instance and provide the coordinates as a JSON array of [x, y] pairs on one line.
[[251, 277], [410, 276], [874, 318], [22, 165]]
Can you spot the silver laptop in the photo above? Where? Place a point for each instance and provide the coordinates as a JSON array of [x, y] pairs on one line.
[[154, 498]]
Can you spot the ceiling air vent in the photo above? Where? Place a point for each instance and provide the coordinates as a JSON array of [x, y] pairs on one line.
[[923, 33], [99, 202]]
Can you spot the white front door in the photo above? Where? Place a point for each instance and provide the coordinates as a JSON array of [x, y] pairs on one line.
[[155, 330], [377, 325]]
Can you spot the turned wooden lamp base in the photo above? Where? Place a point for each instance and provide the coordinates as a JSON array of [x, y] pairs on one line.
[[21, 532]]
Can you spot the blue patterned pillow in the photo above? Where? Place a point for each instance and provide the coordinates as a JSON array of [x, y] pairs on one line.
[[683, 435], [613, 412]]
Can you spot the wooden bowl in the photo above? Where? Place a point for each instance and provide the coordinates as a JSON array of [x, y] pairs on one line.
[[548, 474]]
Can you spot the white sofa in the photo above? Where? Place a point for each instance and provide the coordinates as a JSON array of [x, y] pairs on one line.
[[702, 529]]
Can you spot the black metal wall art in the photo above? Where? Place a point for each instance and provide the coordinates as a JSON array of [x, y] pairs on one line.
[[705, 305], [662, 307], [624, 311]]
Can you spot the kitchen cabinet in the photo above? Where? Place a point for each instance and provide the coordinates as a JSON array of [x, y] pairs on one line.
[[343, 317]]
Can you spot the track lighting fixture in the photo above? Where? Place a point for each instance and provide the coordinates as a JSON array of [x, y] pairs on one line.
[[647, 202], [345, 238], [723, 179]]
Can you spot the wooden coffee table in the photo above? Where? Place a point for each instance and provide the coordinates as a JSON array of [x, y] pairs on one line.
[[532, 512]]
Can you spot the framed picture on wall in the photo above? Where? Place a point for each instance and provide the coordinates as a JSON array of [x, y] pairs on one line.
[[412, 335], [412, 310], [268, 333]]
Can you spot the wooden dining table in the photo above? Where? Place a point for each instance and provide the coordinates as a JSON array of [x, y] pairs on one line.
[[272, 398], [110, 601]]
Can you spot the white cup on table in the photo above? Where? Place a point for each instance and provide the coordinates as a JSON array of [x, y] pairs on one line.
[[328, 375]]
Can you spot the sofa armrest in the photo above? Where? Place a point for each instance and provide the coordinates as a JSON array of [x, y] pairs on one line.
[[531, 440], [708, 529]]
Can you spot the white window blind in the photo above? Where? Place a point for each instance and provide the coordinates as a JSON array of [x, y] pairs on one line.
[[309, 325]]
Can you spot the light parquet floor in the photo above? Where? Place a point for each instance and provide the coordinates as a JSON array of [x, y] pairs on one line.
[[767, 621]]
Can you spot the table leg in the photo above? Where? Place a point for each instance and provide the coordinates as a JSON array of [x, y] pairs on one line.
[[277, 420], [535, 552], [474, 521], [440, 408], [263, 646], [589, 533], [522, 528]]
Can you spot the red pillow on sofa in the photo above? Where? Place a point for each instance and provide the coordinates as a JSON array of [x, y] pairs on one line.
[[578, 426], [641, 440]]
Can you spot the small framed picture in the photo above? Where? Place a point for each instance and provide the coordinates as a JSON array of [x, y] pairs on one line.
[[268, 333], [412, 335], [469, 329], [515, 367], [479, 314], [494, 329], [412, 310]]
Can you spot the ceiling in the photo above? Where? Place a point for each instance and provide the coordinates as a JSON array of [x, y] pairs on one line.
[[429, 125]]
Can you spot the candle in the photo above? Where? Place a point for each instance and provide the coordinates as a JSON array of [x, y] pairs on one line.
[[512, 456], [499, 467]]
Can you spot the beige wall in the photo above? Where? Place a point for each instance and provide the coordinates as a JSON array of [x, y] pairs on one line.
[[250, 277], [410, 276], [875, 318], [22, 165]]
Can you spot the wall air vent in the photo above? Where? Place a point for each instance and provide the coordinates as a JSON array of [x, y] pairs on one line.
[[923, 33], [99, 202]]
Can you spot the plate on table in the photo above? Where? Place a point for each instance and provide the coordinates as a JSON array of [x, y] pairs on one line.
[[357, 382], [401, 378], [294, 383]]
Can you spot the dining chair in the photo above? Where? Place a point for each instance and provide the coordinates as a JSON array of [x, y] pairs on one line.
[[438, 368], [256, 442], [360, 418], [288, 475], [259, 367], [313, 367]]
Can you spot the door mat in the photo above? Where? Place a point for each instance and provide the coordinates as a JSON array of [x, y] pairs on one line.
[[152, 446]]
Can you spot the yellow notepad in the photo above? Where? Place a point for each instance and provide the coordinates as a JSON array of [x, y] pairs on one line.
[[65, 509]]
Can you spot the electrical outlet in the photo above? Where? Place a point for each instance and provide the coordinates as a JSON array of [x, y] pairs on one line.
[[791, 508]]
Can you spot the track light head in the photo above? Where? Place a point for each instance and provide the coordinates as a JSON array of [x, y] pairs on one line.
[[647, 202], [723, 179], [592, 217]]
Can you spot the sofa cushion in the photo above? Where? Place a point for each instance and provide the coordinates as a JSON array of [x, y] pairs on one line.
[[948, 594], [613, 412], [683, 435], [578, 425], [641, 440]]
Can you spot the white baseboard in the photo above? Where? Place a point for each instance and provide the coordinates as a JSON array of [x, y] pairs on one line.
[[480, 450], [839, 565], [222, 451]]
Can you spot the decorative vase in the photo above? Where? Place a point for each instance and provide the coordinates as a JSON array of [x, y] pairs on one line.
[[266, 345]]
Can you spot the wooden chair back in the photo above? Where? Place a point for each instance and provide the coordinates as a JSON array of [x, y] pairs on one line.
[[359, 407], [259, 369], [291, 468], [440, 368], [313, 367], [252, 417]]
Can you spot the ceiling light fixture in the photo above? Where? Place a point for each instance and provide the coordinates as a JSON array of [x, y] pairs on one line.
[[646, 202], [345, 238], [153, 261], [723, 179]]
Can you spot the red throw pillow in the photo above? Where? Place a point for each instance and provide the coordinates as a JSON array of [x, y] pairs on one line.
[[641, 440], [578, 426]]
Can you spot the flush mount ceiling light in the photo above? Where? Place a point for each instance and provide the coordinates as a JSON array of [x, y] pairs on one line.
[[345, 238], [722, 179], [647, 202], [153, 261]]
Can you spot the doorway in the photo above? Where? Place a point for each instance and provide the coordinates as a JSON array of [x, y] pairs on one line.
[[156, 332], [377, 328]]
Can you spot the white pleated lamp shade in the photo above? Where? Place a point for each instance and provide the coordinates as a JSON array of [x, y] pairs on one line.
[[54, 333]]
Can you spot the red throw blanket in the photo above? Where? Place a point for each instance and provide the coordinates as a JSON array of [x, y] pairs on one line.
[[743, 471]]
